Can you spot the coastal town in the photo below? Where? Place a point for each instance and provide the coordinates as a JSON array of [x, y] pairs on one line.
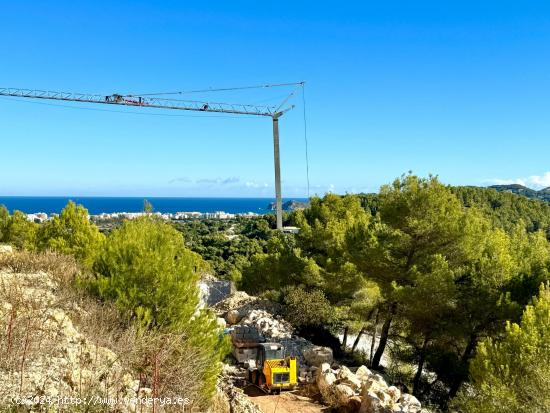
[[40, 217]]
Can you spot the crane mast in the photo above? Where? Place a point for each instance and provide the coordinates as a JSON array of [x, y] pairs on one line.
[[176, 104]]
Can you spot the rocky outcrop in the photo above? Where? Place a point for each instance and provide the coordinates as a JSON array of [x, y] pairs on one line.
[[270, 326], [213, 290], [244, 304], [43, 353]]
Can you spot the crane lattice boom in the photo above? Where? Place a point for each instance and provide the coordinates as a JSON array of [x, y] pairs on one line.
[[161, 103], [149, 102]]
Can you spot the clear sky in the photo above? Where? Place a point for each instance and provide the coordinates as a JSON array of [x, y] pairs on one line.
[[460, 89]]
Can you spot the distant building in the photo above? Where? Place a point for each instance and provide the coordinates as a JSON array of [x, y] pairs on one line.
[[218, 215], [291, 230], [39, 217]]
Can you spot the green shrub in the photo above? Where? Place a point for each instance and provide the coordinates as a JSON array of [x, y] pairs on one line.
[[149, 273]]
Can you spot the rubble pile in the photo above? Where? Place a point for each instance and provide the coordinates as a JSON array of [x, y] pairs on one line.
[[243, 304], [362, 391], [271, 327], [229, 383], [242, 309]]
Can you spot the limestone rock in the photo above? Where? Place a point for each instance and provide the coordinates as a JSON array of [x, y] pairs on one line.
[[341, 394], [410, 403], [394, 393], [325, 367], [268, 325], [363, 373], [345, 376]]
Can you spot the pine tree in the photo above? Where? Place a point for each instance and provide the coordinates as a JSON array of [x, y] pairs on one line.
[[513, 374], [148, 272], [71, 232]]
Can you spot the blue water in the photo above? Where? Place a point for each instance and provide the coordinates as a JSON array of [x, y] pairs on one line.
[[97, 205]]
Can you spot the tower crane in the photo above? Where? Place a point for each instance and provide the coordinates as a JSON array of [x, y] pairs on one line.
[[148, 101]]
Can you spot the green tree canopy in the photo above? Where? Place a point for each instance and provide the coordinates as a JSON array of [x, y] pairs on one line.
[[20, 232], [71, 232], [513, 374]]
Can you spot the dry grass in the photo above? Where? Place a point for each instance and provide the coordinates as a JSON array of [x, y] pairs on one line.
[[62, 268]]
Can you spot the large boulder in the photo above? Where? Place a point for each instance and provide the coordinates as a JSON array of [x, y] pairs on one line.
[[363, 373], [375, 383], [317, 355], [341, 393], [394, 393], [345, 376], [233, 317]]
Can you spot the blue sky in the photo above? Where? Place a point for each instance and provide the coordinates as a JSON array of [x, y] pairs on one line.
[[460, 89]]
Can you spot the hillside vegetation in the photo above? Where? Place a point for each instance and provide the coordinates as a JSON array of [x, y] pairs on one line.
[[445, 281], [142, 275]]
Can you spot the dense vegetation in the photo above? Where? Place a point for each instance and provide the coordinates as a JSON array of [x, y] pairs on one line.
[[430, 270], [144, 268], [226, 245], [439, 275]]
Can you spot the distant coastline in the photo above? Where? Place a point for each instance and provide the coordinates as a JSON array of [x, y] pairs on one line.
[[166, 205]]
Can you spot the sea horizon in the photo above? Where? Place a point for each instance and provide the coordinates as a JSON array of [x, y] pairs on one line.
[[165, 204]]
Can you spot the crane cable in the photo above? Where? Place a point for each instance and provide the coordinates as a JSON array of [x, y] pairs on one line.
[[183, 92], [305, 134]]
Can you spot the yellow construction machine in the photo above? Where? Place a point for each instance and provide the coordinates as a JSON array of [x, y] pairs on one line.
[[266, 364]]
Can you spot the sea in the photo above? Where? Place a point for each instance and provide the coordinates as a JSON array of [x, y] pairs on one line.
[[98, 205]]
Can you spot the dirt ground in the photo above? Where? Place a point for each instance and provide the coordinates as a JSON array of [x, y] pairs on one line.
[[286, 402]]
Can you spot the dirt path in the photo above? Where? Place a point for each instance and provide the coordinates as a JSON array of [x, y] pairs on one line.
[[286, 402]]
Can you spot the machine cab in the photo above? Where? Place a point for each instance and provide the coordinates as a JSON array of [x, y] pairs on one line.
[[270, 351]]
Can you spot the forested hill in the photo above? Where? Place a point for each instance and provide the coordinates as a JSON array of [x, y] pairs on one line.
[[506, 208], [543, 194]]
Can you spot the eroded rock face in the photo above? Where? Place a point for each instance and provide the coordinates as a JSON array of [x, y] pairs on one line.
[[45, 352]]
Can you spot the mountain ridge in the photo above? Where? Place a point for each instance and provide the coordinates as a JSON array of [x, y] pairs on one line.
[[542, 194]]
